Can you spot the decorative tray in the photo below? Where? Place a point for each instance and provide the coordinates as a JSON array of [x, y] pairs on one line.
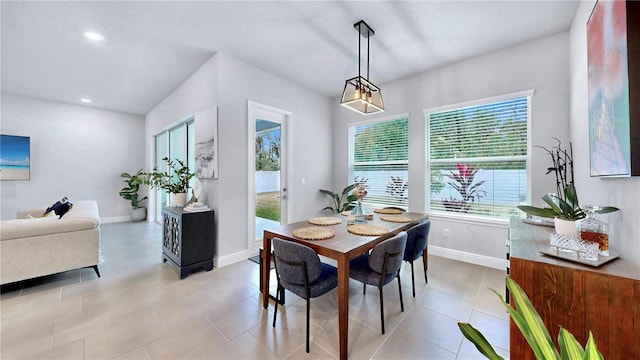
[[573, 256]]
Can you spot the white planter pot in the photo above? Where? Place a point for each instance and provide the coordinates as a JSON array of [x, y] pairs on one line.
[[565, 227], [138, 214], [179, 199]]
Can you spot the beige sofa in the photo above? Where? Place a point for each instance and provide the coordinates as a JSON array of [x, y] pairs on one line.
[[33, 246]]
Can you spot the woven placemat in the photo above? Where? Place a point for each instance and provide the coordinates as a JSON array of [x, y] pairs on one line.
[[313, 233], [396, 218], [388, 211], [367, 229], [326, 220]]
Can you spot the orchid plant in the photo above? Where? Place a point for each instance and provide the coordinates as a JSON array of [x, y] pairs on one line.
[[463, 183]]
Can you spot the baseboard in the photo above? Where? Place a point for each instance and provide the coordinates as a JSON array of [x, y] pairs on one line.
[[114, 219], [233, 258], [495, 263]]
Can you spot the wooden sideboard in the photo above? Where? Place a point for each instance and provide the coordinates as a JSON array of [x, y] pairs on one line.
[[580, 298]]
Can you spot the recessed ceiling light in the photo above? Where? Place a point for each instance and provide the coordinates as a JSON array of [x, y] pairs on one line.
[[86, 101], [94, 36]]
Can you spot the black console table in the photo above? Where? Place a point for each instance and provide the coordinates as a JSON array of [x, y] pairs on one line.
[[188, 239]]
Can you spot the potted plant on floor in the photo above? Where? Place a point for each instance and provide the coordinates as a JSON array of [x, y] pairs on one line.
[[341, 202], [130, 193], [564, 206], [174, 180]]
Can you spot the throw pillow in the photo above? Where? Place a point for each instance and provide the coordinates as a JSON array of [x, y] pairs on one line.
[[60, 208]]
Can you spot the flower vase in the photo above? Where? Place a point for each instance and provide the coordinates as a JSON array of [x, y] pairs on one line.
[[565, 227]]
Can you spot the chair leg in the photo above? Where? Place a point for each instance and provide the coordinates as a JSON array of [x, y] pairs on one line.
[[413, 279], [275, 310], [381, 309], [308, 325], [400, 292], [424, 265], [364, 288]]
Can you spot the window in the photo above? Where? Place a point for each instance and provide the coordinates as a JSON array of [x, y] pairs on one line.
[[378, 159], [477, 156], [175, 143]]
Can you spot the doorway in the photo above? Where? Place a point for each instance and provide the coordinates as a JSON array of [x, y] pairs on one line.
[[268, 171]]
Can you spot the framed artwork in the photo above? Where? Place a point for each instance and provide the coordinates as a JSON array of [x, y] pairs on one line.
[[15, 152], [206, 144], [613, 41]]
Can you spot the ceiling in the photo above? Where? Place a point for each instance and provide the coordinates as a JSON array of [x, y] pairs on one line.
[[150, 48]]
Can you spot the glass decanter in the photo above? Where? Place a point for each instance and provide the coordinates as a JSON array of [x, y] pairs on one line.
[[592, 229]]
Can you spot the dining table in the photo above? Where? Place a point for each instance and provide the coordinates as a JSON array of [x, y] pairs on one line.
[[342, 247]]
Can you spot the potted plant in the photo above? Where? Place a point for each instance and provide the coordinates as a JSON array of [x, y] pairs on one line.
[[130, 193], [174, 180], [564, 206], [340, 203]]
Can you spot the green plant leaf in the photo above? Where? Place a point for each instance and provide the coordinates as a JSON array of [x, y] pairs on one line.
[[591, 351], [606, 209], [478, 340], [570, 348], [535, 211], [529, 322], [551, 202], [349, 188]]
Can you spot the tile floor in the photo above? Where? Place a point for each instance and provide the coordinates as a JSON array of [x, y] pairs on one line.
[[140, 309]]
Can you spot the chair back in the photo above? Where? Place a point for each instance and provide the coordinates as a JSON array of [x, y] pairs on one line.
[[417, 238], [390, 250], [291, 259]]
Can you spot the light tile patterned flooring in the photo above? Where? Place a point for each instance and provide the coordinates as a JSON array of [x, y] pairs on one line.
[[140, 309]]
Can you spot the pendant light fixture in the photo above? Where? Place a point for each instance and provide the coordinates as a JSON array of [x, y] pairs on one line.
[[360, 94]]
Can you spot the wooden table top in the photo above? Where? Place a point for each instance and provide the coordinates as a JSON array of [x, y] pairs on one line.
[[344, 242]]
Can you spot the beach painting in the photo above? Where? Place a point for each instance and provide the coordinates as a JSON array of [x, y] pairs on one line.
[[14, 157]]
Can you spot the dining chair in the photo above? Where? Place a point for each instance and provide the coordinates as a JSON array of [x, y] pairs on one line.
[[299, 270], [380, 267], [417, 239]]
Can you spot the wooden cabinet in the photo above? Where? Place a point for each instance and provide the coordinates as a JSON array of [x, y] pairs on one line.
[[188, 239], [580, 298]]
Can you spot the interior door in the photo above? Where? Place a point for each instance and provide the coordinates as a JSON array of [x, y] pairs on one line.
[[268, 192]]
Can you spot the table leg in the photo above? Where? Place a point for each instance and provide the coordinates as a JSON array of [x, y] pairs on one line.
[[343, 305], [266, 269]]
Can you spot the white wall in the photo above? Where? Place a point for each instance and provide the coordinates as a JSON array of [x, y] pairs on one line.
[[623, 193], [311, 131], [76, 151], [229, 84], [541, 65]]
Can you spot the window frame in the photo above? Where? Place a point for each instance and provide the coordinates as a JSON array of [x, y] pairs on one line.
[[528, 94]]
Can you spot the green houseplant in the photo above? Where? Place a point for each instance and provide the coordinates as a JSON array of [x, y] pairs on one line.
[[563, 205], [340, 202], [174, 180], [130, 193], [534, 331]]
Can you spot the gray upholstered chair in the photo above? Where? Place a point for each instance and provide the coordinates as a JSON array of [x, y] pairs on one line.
[[417, 240], [380, 267], [299, 270]]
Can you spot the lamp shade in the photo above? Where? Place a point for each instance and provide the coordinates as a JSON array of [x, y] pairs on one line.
[[362, 96]]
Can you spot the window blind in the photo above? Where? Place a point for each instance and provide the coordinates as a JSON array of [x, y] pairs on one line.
[[477, 158], [379, 161]]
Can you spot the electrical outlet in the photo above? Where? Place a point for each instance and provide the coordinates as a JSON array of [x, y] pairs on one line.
[[445, 232]]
